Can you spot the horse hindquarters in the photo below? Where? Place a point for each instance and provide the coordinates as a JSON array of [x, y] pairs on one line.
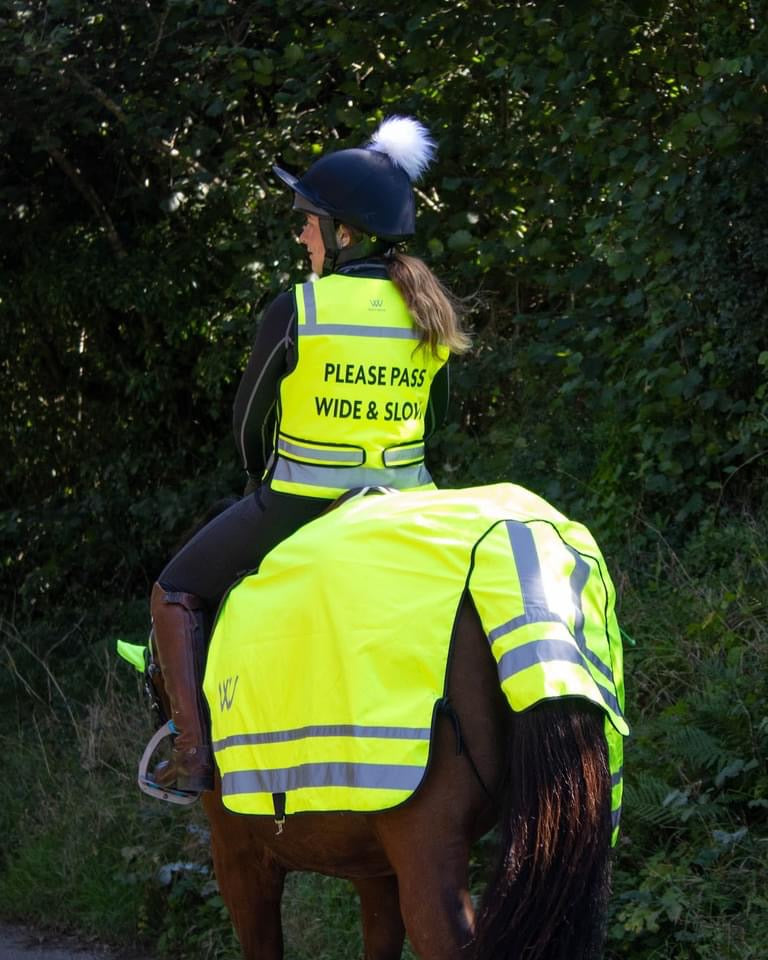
[[428, 839], [547, 895]]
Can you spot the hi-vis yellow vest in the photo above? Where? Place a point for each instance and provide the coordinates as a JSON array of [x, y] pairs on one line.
[[352, 412], [325, 668]]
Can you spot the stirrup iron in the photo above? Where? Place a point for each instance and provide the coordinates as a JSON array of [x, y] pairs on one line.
[[148, 786]]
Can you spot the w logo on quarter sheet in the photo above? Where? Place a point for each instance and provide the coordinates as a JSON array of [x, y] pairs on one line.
[[227, 692]]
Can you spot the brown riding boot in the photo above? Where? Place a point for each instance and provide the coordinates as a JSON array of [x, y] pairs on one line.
[[179, 640]]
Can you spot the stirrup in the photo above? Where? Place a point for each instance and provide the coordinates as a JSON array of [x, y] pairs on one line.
[[147, 784]]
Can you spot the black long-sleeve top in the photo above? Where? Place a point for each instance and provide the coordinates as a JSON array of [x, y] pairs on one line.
[[274, 355]]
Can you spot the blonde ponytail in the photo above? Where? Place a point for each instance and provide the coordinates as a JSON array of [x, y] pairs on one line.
[[435, 311]]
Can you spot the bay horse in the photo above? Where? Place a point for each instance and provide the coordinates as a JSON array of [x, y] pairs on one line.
[[541, 776]]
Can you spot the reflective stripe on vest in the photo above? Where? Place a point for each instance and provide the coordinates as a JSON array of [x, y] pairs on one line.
[[331, 456], [352, 411], [328, 481]]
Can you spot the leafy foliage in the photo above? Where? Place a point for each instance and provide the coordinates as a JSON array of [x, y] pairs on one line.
[[599, 196], [692, 850]]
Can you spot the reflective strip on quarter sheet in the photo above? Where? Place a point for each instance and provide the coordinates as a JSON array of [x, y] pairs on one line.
[[325, 730], [367, 776]]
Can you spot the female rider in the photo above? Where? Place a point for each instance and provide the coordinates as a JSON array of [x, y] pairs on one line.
[[346, 378]]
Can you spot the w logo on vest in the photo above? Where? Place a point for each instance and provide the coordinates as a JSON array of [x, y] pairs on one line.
[[227, 693], [376, 303]]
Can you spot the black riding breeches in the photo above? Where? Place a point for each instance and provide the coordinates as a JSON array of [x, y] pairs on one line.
[[236, 541]]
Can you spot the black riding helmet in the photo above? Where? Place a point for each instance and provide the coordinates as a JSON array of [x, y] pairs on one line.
[[367, 188]]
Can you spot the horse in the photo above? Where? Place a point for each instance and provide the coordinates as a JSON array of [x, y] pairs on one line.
[[540, 776]]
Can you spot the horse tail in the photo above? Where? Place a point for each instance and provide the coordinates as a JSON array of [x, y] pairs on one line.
[[547, 894]]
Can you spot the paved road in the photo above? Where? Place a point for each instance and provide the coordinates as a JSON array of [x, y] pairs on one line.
[[20, 943]]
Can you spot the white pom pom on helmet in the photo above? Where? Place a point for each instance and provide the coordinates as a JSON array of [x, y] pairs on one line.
[[369, 188], [406, 142]]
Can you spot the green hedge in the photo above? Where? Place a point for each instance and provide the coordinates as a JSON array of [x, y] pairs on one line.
[[599, 199]]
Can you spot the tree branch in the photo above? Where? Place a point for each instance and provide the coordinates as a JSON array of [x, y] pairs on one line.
[[161, 146], [91, 198]]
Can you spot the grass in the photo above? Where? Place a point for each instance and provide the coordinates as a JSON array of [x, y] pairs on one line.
[[73, 818]]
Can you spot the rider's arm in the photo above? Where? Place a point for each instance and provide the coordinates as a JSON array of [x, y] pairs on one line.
[[255, 407], [437, 408]]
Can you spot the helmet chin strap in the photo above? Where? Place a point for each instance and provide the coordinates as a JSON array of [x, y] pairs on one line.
[[328, 228], [365, 247], [336, 255]]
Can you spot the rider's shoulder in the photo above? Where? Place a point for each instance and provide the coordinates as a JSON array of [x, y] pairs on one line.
[[280, 310]]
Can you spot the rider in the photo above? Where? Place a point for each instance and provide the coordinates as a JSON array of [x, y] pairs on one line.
[[347, 376]]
